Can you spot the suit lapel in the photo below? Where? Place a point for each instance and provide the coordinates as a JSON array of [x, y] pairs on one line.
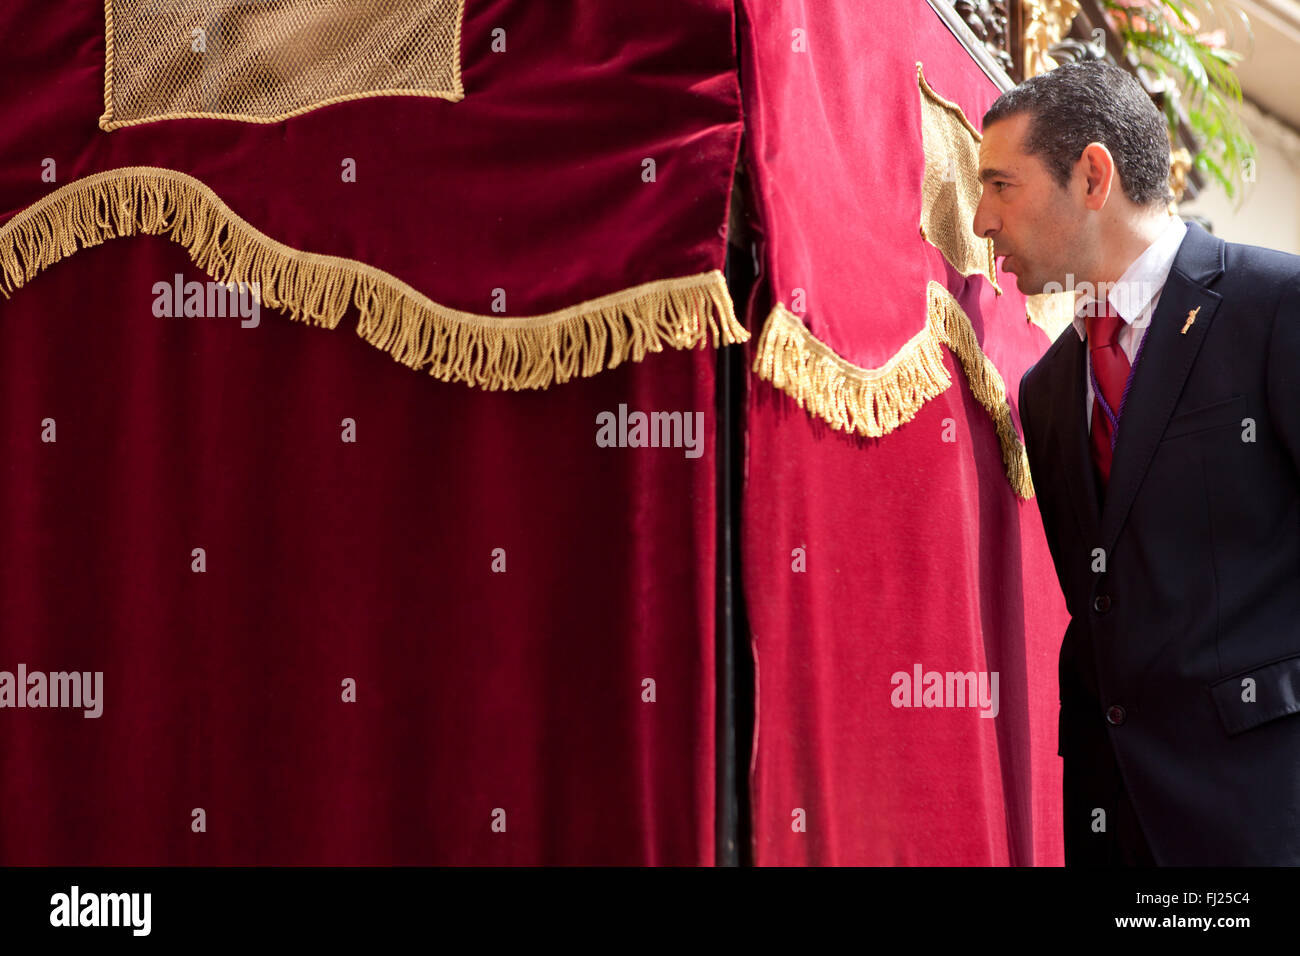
[[1077, 457], [1167, 357]]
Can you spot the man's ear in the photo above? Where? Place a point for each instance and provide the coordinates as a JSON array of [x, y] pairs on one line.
[[1098, 169]]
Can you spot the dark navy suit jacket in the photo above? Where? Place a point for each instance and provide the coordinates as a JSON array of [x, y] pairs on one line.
[[1183, 648]]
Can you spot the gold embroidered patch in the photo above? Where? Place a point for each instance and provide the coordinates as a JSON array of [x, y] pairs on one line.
[[1050, 311], [950, 189], [261, 61]]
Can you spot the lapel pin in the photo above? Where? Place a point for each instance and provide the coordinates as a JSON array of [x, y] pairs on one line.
[[1191, 317]]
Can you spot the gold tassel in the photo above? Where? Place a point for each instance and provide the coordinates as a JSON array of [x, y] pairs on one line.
[[480, 350], [874, 402]]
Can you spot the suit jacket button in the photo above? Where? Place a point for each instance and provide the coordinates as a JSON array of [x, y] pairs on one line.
[[1115, 715], [1102, 603]]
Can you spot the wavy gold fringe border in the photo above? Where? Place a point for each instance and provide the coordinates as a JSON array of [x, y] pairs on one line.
[[481, 350], [871, 402], [874, 402], [949, 320]]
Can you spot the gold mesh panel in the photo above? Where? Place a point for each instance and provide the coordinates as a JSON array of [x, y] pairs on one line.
[[950, 189], [264, 60], [1050, 311]]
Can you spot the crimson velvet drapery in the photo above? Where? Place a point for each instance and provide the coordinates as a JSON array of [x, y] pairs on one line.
[[916, 550], [519, 695], [483, 696], [326, 561]]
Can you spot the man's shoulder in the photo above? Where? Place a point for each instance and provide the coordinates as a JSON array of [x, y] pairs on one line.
[[1037, 372], [1258, 271]]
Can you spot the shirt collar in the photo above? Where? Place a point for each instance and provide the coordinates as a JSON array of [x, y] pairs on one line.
[[1141, 282]]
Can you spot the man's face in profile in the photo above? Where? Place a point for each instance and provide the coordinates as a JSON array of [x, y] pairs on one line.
[[1032, 221]]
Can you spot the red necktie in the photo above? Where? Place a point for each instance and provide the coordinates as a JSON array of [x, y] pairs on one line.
[[1110, 367]]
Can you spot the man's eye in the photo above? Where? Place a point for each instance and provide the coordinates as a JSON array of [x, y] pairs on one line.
[[998, 184]]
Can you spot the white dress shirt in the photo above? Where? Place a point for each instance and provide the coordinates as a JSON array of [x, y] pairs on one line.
[[1134, 296]]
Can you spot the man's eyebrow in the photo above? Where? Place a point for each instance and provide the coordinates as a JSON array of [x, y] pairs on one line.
[[987, 174]]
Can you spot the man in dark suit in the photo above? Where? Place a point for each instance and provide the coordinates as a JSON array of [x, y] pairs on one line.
[[1163, 435]]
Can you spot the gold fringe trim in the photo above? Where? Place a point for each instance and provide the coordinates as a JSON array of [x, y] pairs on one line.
[[874, 402], [481, 350], [870, 402], [949, 321]]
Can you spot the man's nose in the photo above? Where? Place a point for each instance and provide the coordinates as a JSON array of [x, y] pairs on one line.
[[985, 223]]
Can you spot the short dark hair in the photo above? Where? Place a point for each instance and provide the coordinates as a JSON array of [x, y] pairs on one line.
[[1093, 102]]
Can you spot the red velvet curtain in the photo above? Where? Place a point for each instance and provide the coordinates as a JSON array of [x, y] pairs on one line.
[[915, 549], [328, 561], [484, 694], [570, 695]]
